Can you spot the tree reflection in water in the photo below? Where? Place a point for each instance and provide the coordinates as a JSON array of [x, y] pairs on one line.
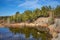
[[31, 31]]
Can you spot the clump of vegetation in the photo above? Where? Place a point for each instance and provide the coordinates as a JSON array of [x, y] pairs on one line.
[[51, 21], [30, 16], [57, 12], [51, 18]]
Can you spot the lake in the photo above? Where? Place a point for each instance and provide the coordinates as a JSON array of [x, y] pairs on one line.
[[23, 34]]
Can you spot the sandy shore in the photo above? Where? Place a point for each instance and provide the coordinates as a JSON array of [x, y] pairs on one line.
[[24, 24]]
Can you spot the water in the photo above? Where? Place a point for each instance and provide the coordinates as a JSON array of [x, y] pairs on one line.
[[23, 34]]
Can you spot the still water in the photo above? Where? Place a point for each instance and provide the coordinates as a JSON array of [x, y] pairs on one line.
[[23, 34]]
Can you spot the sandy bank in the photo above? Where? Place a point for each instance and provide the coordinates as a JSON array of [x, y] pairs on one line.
[[25, 24]]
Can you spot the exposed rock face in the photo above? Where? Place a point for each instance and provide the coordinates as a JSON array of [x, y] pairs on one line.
[[54, 28], [41, 20], [53, 31], [58, 38], [57, 24]]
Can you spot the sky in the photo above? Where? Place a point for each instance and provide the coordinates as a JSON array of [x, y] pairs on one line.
[[10, 7]]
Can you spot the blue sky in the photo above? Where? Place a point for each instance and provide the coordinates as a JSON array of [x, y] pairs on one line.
[[9, 7]]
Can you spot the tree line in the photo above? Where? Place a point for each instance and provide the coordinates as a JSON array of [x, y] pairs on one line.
[[30, 16]]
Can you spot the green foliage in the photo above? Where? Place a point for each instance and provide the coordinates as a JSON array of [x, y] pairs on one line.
[[51, 21], [44, 11], [30, 16], [16, 18], [57, 11]]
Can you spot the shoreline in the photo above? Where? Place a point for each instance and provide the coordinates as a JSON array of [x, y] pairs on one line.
[[52, 31], [24, 24]]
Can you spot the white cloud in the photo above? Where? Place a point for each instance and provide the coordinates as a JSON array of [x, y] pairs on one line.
[[30, 4]]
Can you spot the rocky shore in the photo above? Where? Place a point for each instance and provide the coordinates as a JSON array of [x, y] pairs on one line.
[[40, 22]]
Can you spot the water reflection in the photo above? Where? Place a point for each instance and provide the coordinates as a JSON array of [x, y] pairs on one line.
[[31, 33], [23, 34]]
